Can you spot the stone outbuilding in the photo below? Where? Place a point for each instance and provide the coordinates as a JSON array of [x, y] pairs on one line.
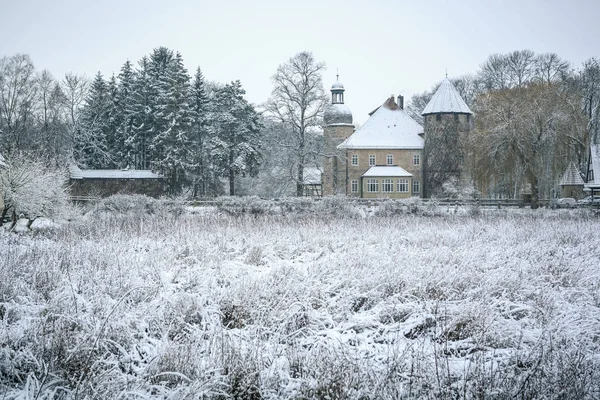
[[107, 182]]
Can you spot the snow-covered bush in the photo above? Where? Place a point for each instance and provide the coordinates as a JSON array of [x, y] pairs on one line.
[[30, 189]]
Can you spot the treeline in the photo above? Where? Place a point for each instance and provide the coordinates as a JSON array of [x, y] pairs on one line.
[[534, 114], [153, 116]]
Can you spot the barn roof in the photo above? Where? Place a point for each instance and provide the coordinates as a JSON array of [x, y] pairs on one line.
[[77, 173]]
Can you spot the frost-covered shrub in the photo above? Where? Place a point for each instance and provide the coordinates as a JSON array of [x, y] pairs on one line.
[[30, 189], [297, 205], [391, 207], [337, 206], [246, 205], [126, 203]]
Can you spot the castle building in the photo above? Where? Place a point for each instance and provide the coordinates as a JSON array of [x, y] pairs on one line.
[[385, 156]]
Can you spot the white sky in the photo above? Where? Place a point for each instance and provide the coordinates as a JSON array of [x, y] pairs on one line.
[[380, 47]]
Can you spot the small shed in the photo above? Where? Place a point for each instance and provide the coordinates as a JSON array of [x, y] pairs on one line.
[[106, 182], [312, 184], [571, 184]]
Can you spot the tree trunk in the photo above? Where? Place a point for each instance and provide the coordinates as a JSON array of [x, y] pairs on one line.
[[231, 175], [300, 181]]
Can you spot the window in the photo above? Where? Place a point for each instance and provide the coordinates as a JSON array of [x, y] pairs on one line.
[[416, 159], [456, 117], [390, 159], [416, 186], [354, 186], [387, 185], [438, 117], [371, 160], [372, 185], [355, 160], [402, 185]]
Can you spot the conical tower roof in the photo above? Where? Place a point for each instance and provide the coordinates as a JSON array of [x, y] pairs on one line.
[[571, 177], [446, 100]]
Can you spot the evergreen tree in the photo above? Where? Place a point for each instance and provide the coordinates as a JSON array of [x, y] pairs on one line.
[[139, 116], [124, 114], [90, 148], [236, 140], [204, 180], [171, 143]]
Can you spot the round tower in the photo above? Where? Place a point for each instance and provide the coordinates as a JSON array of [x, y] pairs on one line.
[[447, 123], [337, 121]]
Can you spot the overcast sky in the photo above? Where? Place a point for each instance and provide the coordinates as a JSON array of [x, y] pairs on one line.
[[380, 47]]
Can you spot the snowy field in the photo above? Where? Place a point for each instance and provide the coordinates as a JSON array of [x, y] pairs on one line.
[[190, 305]]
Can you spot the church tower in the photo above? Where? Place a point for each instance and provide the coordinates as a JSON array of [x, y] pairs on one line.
[[447, 124], [338, 127]]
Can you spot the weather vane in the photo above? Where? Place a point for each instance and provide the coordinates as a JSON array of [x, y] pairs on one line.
[[337, 74]]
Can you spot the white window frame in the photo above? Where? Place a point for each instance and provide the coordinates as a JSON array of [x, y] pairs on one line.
[[402, 185], [389, 159], [372, 184], [355, 160], [387, 185], [354, 186], [416, 159], [372, 160], [416, 186]]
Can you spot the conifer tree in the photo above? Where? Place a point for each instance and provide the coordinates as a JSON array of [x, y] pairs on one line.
[[236, 140], [90, 148]]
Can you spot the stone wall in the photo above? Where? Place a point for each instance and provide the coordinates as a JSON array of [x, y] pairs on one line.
[[108, 187]]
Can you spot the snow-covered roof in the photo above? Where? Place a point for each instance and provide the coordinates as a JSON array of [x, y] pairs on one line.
[[336, 114], [77, 173], [312, 176], [571, 177], [387, 170], [337, 86], [390, 127], [446, 100]]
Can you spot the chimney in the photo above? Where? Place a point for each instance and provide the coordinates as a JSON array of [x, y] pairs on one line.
[[401, 102]]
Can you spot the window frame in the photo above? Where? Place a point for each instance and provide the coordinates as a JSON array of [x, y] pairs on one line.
[[354, 160], [416, 159], [354, 186], [416, 184], [402, 183], [389, 159], [387, 183], [372, 160], [375, 183]]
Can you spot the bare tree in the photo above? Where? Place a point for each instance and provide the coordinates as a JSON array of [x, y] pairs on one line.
[[75, 89], [298, 101], [17, 95]]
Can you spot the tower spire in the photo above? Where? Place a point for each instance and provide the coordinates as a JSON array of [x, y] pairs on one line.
[[337, 74]]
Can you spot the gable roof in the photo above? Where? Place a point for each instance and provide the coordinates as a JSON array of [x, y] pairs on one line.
[[446, 99], [390, 127], [571, 177], [77, 173], [593, 167], [387, 170]]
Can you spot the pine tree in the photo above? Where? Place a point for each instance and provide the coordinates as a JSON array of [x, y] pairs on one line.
[[139, 115], [236, 140], [90, 147], [204, 180], [123, 101], [171, 143]]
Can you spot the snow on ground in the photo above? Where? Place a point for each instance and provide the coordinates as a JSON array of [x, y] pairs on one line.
[[502, 304]]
